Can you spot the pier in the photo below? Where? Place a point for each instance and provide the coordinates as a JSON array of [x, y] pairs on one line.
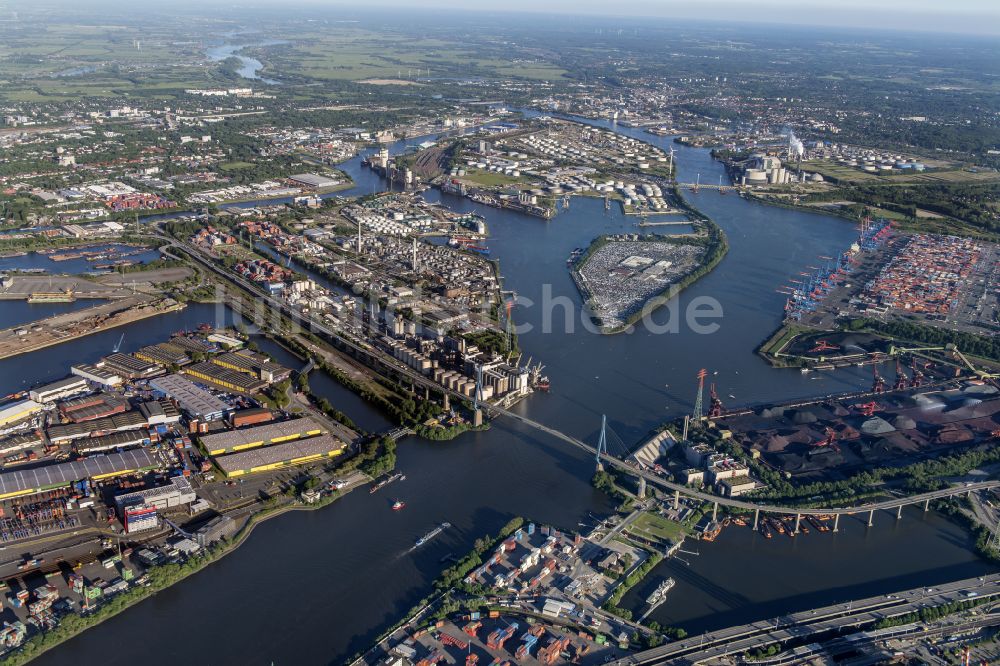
[[69, 326]]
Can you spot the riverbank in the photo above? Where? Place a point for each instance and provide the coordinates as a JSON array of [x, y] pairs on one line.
[[160, 578], [72, 326]]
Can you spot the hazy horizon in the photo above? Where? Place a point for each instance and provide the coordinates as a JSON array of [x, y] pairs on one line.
[[974, 17]]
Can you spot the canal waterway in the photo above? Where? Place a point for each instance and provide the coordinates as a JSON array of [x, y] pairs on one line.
[[249, 67], [34, 261], [315, 587]]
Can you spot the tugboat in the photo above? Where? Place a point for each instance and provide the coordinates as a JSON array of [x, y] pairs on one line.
[[398, 505], [543, 384]]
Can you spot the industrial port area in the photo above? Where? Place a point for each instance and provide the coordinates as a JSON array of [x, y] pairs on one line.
[[620, 274], [129, 462], [277, 287]]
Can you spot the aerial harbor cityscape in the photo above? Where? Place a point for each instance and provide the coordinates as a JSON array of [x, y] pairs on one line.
[[482, 333]]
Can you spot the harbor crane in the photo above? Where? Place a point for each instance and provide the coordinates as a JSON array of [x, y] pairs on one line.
[[878, 382], [715, 404], [902, 381]]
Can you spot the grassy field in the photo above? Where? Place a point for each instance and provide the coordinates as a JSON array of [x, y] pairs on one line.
[[657, 527], [354, 54], [491, 179], [235, 166], [841, 173]]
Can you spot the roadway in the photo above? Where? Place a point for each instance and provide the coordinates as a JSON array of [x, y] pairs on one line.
[[655, 479], [366, 349], [800, 626]]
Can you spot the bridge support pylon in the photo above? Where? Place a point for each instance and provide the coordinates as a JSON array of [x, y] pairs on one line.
[[927, 505], [642, 487], [871, 517], [715, 510], [836, 522], [756, 518], [798, 521], [899, 512], [677, 500], [602, 443]]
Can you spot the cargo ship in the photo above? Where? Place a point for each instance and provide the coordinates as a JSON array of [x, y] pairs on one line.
[[386, 481], [658, 595], [430, 535], [574, 256]]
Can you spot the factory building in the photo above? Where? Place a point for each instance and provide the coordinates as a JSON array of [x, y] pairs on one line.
[[218, 528], [177, 493], [250, 438], [737, 486], [64, 388], [278, 456], [140, 518], [726, 469], [197, 403], [18, 411]]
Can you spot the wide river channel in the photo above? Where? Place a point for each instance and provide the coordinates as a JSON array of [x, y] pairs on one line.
[[315, 587]]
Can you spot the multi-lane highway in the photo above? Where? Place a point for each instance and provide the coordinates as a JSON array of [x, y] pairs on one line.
[[799, 626]]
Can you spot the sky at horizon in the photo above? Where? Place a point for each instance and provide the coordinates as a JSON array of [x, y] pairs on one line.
[[960, 16]]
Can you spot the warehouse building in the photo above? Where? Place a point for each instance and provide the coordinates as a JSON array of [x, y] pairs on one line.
[[278, 456], [252, 416], [160, 412], [40, 479], [60, 434], [226, 341], [255, 365], [92, 407], [132, 367], [197, 403], [177, 493], [192, 345], [231, 380], [115, 440], [18, 411], [98, 374], [20, 442], [313, 181], [163, 354], [64, 388], [250, 438]]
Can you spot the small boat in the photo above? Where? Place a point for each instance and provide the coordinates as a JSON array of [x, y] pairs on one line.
[[398, 505]]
